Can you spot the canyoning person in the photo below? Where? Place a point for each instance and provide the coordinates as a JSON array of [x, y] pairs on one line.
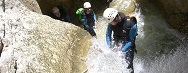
[[124, 31], [88, 18], [60, 14]]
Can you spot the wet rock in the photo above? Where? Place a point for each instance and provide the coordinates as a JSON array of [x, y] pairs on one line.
[[176, 13]]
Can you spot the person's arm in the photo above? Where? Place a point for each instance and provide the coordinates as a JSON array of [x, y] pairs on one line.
[[108, 36], [95, 18], [132, 34]]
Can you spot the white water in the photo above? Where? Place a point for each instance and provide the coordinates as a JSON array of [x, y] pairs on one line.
[[103, 60], [161, 49]]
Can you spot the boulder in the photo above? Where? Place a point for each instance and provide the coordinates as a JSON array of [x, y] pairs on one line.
[[36, 43]]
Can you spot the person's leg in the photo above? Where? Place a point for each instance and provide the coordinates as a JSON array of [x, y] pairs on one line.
[[129, 59], [92, 32], [67, 18]]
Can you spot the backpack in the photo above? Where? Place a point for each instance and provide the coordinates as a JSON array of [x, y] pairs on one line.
[[129, 22], [78, 12]]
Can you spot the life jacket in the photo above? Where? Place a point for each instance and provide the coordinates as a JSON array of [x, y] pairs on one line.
[[81, 14], [129, 22], [121, 30]]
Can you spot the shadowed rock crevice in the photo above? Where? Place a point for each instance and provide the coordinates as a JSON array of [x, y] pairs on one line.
[[3, 5], [1, 40], [15, 66], [1, 46], [179, 21], [71, 6]]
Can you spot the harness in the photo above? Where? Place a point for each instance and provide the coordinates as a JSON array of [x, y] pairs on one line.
[[89, 17]]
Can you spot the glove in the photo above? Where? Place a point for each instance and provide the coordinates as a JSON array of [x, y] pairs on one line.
[[94, 27], [62, 20], [121, 54], [110, 46]]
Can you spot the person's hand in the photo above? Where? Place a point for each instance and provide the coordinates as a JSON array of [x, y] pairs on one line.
[[62, 19], [87, 27], [110, 46], [94, 27], [96, 22], [121, 54]]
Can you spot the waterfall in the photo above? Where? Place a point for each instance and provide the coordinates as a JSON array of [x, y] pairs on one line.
[[161, 49]]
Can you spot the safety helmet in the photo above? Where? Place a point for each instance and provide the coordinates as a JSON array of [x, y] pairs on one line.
[[87, 5], [109, 14], [55, 9]]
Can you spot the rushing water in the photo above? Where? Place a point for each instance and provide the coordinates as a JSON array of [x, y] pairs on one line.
[[161, 49]]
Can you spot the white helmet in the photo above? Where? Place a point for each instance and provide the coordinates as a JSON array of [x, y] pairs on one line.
[[87, 5], [55, 9], [109, 14]]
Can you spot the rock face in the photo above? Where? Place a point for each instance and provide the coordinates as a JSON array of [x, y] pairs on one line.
[[177, 13], [35, 43]]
